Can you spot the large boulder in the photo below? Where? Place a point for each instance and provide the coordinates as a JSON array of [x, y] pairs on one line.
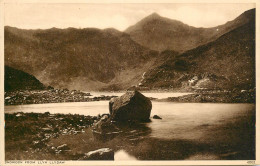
[[132, 106]]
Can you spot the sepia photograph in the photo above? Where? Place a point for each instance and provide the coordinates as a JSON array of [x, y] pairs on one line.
[[129, 81]]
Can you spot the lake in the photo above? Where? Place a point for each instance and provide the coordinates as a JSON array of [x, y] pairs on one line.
[[187, 131]]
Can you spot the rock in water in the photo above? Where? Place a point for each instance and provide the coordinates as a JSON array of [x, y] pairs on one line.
[[132, 106], [104, 130], [104, 126], [100, 154], [156, 117]]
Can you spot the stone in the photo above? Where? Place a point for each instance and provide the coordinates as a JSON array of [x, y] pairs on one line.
[[100, 154], [46, 114], [63, 147], [47, 130], [102, 125], [8, 97], [19, 114], [156, 117], [132, 106], [104, 130]]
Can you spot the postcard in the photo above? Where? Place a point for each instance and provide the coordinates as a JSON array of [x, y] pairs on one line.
[[129, 82]]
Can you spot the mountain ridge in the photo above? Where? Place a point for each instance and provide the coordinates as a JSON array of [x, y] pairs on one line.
[[108, 59], [50, 55], [226, 63], [161, 33]]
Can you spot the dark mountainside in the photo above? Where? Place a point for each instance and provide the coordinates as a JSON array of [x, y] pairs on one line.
[[160, 33], [85, 59], [227, 63], [93, 59], [19, 80]]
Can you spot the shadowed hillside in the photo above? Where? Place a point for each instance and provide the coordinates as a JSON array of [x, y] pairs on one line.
[[86, 59], [19, 80], [227, 63], [160, 33]]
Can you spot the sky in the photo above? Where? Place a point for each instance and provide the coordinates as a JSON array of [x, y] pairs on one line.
[[119, 16]]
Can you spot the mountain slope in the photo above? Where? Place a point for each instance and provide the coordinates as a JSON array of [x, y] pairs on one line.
[[86, 59], [226, 63], [94, 59], [160, 33], [19, 80]]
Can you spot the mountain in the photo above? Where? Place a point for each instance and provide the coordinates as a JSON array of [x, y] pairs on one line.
[[160, 33], [85, 59], [19, 80], [92, 59], [226, 63]]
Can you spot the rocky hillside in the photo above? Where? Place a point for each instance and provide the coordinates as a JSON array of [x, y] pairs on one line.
[[222, 57], [160, 33], [19, 80], [226, 63], [85, 59]]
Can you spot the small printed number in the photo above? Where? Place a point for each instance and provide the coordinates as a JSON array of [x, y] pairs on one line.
[[250, 162]]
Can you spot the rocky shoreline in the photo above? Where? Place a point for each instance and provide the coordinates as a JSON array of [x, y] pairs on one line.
[[216, 97], [64, 95], [49, 96], [28, 135]]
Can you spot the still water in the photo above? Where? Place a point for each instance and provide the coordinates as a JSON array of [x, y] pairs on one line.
[[189, 131]]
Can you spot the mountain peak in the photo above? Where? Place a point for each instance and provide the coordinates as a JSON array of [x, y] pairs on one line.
[[154, 14], [161, 33]]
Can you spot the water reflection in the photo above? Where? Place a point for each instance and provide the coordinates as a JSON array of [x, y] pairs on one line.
[[231, 139], [128, 133], [134, 142]]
